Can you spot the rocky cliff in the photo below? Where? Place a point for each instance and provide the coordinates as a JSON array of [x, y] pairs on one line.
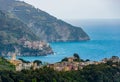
[[45, 26], [14, 34]]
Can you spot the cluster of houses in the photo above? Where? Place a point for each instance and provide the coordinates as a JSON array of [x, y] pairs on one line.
[[20, 65], [73, 65], [36, 44], [68, 65], [113, 59]]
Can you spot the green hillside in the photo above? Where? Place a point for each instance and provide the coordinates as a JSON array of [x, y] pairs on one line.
[[12, 30], [5, 65], [45, 26], [109, 72]]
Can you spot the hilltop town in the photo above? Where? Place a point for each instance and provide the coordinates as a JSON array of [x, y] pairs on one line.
[[67, 70], [66, 64], [75, 63], [21, 64], [35, 48]]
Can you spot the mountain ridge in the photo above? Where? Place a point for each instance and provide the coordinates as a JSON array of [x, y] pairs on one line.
[[46, 27]]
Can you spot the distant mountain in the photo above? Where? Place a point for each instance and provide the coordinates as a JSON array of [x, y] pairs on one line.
[[14, 34], [45, 26]]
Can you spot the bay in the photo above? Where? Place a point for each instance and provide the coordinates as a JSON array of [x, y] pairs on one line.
[[104, 43]]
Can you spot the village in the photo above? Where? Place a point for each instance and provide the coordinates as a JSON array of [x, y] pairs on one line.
[[67, 64], [72, 64], [21, 64], [36, 44]]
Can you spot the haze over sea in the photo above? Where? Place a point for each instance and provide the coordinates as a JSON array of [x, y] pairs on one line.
[[104, 43]]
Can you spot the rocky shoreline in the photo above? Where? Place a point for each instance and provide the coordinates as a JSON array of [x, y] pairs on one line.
[[30, 48]]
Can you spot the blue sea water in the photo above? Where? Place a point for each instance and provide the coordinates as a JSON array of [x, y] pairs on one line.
[[104, 43]]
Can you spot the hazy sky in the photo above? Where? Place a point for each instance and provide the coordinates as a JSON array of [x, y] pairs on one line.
[[79, 9]]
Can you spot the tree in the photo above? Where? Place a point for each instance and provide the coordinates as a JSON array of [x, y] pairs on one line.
[[76, 55], [77, 58], [65, 59], [21, 81], [54, 80], [24, 61], [109, 62], [34, 80], [38, 62], [87, 60]]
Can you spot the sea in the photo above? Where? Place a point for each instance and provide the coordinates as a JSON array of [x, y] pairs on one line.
[[104, 43]]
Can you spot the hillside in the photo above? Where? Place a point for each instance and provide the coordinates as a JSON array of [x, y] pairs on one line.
[[14, 34], [45, 26], [5, 65], [12, 29], [106, 72]]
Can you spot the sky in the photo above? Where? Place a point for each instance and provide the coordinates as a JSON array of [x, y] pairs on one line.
[[79, 9]]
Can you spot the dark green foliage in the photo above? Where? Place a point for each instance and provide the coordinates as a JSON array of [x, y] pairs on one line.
[[87, 60], [77, 58], [101, 73], [65, 59], [24, 61], [76, 55], [38, 62], [109, 62], [91, 73], [5, 65]]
